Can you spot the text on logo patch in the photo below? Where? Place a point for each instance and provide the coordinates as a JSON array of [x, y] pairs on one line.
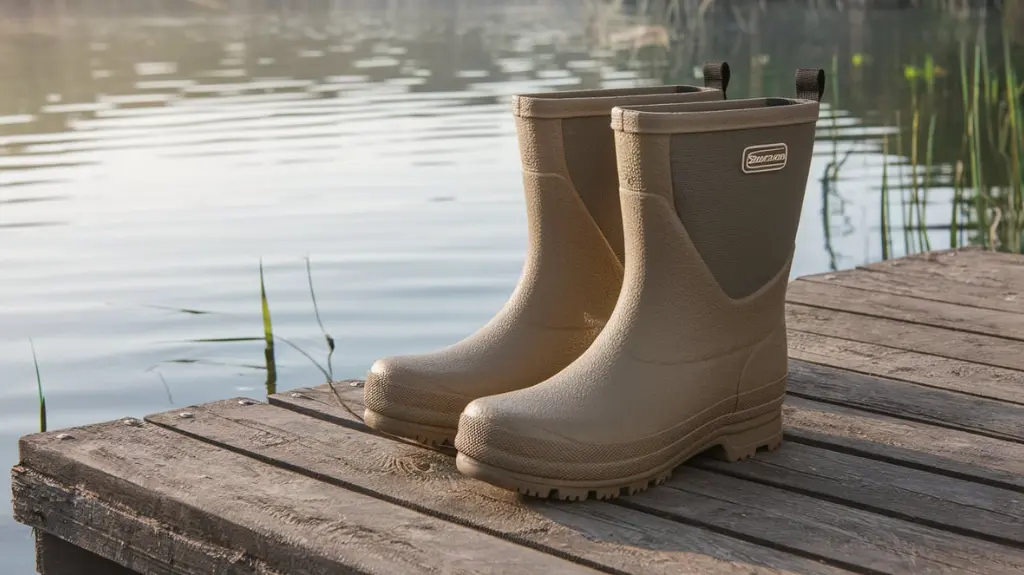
[[765, 158]]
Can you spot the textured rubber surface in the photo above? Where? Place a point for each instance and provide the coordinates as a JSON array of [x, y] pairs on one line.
[[732, 443], [695, 353], [570, 280]]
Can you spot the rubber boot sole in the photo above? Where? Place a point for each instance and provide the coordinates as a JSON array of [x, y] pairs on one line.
[[733, 442], [418, 432]]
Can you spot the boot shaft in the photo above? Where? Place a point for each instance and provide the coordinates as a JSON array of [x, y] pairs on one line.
[[567, 134], [735, 171]]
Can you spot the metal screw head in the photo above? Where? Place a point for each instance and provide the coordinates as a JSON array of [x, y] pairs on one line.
[[245, 402], [64, 436], [186, 415]]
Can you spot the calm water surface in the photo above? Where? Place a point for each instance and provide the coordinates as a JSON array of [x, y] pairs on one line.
[[148, 163]]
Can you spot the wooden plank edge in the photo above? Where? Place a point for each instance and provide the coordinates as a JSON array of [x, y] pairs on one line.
[[850, 500], [855, 280], [135, 464], [158, 420], [984, 532], [54, 556], [904, 458], [920, 338], [612, 556], [905, 400], [73, 513], [796, 296], [931, 371]]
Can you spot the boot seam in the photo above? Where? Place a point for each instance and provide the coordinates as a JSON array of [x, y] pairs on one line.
[[783, 271], [579, 200]]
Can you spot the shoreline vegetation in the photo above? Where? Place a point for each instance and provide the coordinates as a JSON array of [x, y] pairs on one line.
[[982, 99]]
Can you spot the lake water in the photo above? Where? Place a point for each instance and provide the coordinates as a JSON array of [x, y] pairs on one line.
[[150, 161]]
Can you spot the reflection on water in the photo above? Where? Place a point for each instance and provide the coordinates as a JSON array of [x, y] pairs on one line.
[[150, 160]]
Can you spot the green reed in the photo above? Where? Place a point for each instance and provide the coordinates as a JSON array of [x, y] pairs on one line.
[[39, 388], [987, 178], [993, 146], [268, 336]]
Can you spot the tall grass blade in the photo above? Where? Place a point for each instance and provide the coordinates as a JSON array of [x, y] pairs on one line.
[[1015, 201], [39, 388], [268, 336], [929, 158], [167, 388], [886, 236], [904, 212], [316, 310]]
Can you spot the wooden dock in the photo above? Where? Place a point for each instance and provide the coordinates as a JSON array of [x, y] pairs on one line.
[[904, 453]]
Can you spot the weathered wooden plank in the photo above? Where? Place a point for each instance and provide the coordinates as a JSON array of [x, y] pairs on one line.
[[118, 534], [972, 347], [947, 503], [342, 406], [909, 309], [927, 286], [54, 556], [929, 370], [909, 443], [293, 523], [846, 536], [601, 534], [976, 267], [989, 417], [957, 453]]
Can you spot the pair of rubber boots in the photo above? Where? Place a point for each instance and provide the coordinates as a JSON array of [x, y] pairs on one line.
[[649, 321]]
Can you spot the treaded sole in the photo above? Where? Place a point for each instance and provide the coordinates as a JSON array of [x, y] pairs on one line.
[[418, 432], [732, 443]]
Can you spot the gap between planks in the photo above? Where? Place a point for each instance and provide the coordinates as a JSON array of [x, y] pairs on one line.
[[907, 309], [883, 431], [286, 521], [964, 377], [958, 345], [310, 443], [600, 533]]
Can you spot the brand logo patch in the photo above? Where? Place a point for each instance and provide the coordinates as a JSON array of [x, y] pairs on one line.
[[765, 158]]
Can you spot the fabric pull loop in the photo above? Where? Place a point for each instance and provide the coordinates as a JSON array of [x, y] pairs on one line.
[[716, 75], [810, 84]]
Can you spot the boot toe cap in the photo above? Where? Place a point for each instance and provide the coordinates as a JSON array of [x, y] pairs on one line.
[[400, 387], [503, 429]]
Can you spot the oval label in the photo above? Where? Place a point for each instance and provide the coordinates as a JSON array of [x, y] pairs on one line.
[[764, 158]]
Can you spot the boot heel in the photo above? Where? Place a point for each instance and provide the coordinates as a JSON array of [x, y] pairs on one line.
[[743, 444]]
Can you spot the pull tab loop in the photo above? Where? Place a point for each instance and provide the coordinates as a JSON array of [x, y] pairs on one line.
[[716, 75], [810, 84]]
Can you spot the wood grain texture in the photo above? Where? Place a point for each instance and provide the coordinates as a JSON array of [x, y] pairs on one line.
[[970, 266], [118, 534], [292, 523], [604, 535], [928, 370], [838, 533], [942, 342], [952, 504], [54, 556], [946, 315], [909, 443], [929, 286], [907, 401], [342, 406]]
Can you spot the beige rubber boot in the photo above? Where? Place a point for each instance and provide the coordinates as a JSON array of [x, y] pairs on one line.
[[694, 355], [571, 277]]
